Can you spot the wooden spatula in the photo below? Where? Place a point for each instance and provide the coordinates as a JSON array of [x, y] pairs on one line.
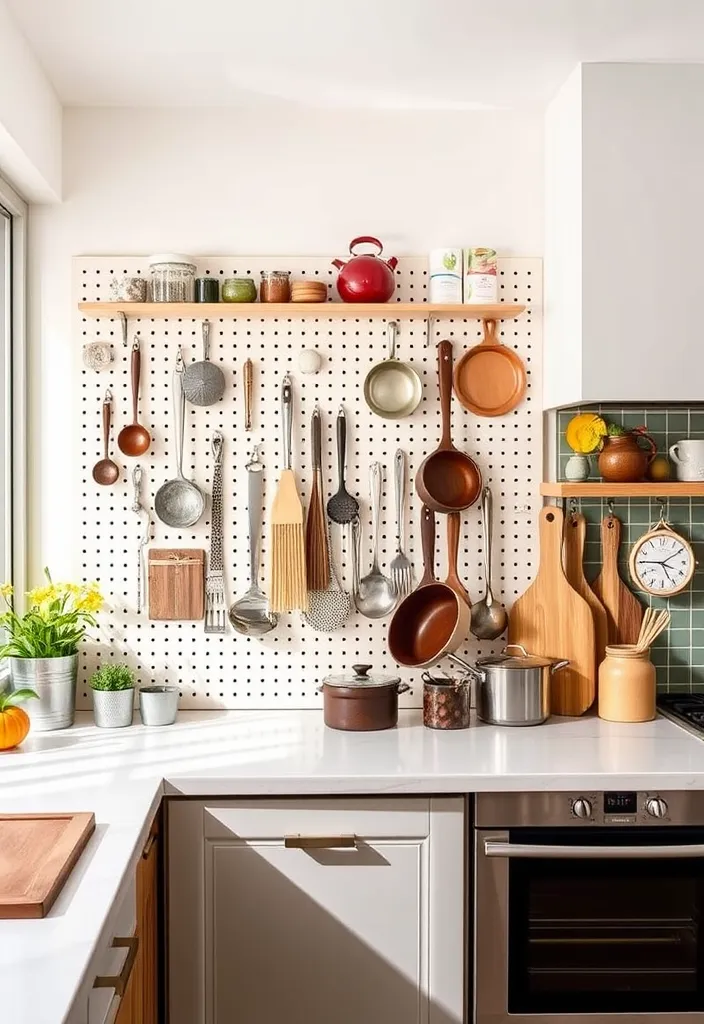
[[624, 612], [573, 560], [552, 620]]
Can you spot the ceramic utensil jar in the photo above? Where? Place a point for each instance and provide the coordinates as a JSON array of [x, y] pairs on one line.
[[358, 702], [626, 685]]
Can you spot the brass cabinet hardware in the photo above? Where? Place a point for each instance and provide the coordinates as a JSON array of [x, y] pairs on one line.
[[120, 981], [347, 842]]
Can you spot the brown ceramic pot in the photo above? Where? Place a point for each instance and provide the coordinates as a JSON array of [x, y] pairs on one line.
[[357, 702], [624, 459]]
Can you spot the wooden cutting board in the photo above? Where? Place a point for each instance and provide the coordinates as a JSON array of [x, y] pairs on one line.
[[624, 612], [552, 620], [37, 853], [573, 560]]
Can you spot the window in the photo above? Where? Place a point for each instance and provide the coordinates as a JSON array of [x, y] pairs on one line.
[[13, 218]]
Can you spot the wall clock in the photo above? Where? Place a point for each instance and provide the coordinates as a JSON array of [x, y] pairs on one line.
[[662, 562]]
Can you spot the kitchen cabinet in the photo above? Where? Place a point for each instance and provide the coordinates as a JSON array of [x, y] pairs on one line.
[[316, 910], [147, 974], [624, 156]]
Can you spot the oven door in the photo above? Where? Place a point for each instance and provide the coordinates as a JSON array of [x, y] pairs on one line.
[[584, 924]]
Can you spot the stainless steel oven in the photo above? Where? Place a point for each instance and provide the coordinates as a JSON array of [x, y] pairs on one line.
[[589, 906]]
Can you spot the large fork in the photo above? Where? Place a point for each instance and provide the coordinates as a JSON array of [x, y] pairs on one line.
[[215, 614], [400, 568]]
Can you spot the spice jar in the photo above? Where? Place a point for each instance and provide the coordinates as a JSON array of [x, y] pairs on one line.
[[446, 702], [207, 289], [275, 286], [626, 685]]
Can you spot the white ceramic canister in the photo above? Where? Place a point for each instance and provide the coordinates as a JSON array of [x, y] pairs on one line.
[[445, 266], [688, 457], [480, 276]]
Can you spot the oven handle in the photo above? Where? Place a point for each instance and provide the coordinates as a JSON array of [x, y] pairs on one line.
[[536, 850]]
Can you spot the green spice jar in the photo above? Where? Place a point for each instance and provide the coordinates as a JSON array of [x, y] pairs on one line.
[[239, 289]]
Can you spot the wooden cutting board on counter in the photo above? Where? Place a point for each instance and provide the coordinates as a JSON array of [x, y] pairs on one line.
[[552, 620], [573, 559], [623, 611], [37, 854]]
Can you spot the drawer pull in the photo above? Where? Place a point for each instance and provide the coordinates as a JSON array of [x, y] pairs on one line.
[[120, 981], [148, 846], [320, 842]]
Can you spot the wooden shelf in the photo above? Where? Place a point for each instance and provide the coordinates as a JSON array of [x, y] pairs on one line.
[[600, 489], [297, 310]]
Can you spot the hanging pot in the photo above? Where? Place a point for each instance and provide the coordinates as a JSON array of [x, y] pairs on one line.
[[366, 277]]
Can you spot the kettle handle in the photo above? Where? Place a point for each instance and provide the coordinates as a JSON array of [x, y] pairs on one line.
[[368, 240]]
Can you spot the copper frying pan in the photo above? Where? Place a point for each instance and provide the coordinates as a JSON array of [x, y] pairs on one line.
[[448, 480], [432, 621], [490, 379]]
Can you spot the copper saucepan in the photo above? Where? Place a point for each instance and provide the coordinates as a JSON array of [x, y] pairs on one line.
[[448, 480], [433, 620]]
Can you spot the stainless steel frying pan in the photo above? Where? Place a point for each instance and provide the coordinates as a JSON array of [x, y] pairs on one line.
[[392, 389]]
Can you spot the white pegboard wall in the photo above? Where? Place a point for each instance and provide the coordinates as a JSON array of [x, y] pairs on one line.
[[284, 668]]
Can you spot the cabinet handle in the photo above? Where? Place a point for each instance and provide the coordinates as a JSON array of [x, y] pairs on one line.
[[320, 842], [148, 846], [120, 981]]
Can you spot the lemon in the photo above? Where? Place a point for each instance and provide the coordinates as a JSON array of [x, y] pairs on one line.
[[584, 432], [660, 468]]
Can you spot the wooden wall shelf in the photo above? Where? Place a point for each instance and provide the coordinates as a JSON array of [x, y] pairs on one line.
[[600, 489], [298, 310]]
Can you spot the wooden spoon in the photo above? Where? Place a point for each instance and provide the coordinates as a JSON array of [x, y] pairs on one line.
[[106, 472], [453, 580], [134, 439]]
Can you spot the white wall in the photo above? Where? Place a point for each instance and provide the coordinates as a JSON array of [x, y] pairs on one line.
[[274, 182], [30, 118]]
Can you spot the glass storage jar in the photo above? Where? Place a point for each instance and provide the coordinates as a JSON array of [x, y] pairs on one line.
[[173, 278], [275, 286]]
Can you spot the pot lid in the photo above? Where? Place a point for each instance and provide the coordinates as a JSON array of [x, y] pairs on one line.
[[359, 677], [171, 257], [515, 661]]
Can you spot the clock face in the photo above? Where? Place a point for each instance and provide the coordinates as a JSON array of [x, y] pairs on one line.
[[663, 563]]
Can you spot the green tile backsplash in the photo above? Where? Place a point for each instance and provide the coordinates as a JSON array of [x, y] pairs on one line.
[[678, 653]]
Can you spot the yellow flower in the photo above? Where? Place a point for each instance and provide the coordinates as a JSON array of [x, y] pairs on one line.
[[6, 590], [42, 595], [90, 601]]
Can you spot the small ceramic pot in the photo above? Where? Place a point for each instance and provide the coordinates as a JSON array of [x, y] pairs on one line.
[[239, 289], [112, 709], [577, 468], [158, 705]]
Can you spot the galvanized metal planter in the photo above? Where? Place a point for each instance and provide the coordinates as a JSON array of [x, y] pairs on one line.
[[112, 709], [54, 680]]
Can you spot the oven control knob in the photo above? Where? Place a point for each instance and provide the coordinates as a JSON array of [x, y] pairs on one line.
[[656, 807], [582, 808]]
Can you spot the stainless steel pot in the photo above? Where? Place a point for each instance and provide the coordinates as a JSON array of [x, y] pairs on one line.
[[512, 689]]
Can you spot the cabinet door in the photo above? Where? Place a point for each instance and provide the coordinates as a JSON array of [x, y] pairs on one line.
[[148, 915], [263, 930]]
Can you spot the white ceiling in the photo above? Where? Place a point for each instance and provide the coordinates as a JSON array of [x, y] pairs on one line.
[[383, 54]]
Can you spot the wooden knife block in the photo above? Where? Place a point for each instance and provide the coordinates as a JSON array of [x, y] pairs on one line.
[[176, 584]]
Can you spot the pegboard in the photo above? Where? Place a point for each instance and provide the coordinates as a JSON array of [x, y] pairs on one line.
[[284, 668]]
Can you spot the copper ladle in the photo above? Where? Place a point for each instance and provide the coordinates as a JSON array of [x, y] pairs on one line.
[[134, 439], [106, 472]]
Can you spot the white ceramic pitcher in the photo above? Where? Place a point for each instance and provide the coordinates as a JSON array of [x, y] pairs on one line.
[[688, 457]]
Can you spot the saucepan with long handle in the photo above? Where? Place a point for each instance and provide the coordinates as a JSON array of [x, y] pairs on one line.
[[433, 620]]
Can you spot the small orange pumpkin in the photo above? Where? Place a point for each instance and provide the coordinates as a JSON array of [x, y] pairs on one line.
[[14, 721]]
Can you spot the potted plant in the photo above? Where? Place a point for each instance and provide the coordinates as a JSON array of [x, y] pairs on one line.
[[42, 646], [113, 696]]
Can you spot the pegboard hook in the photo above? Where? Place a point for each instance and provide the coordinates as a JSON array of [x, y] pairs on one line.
[[123, 324], [663, 508], [610, 506], [429, 325], [573, 508]]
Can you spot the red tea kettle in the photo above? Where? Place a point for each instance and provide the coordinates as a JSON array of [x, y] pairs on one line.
[[366, 277]]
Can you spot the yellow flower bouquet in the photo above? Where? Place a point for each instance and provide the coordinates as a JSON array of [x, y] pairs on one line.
[[55, 622]]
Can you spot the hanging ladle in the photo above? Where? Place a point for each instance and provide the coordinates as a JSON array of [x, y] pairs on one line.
[[134, 439], [106, 472]]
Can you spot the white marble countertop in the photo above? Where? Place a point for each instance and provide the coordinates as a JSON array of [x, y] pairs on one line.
[[121, 775]]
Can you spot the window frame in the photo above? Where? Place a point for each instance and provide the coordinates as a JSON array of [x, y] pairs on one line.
[[16, 419]]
